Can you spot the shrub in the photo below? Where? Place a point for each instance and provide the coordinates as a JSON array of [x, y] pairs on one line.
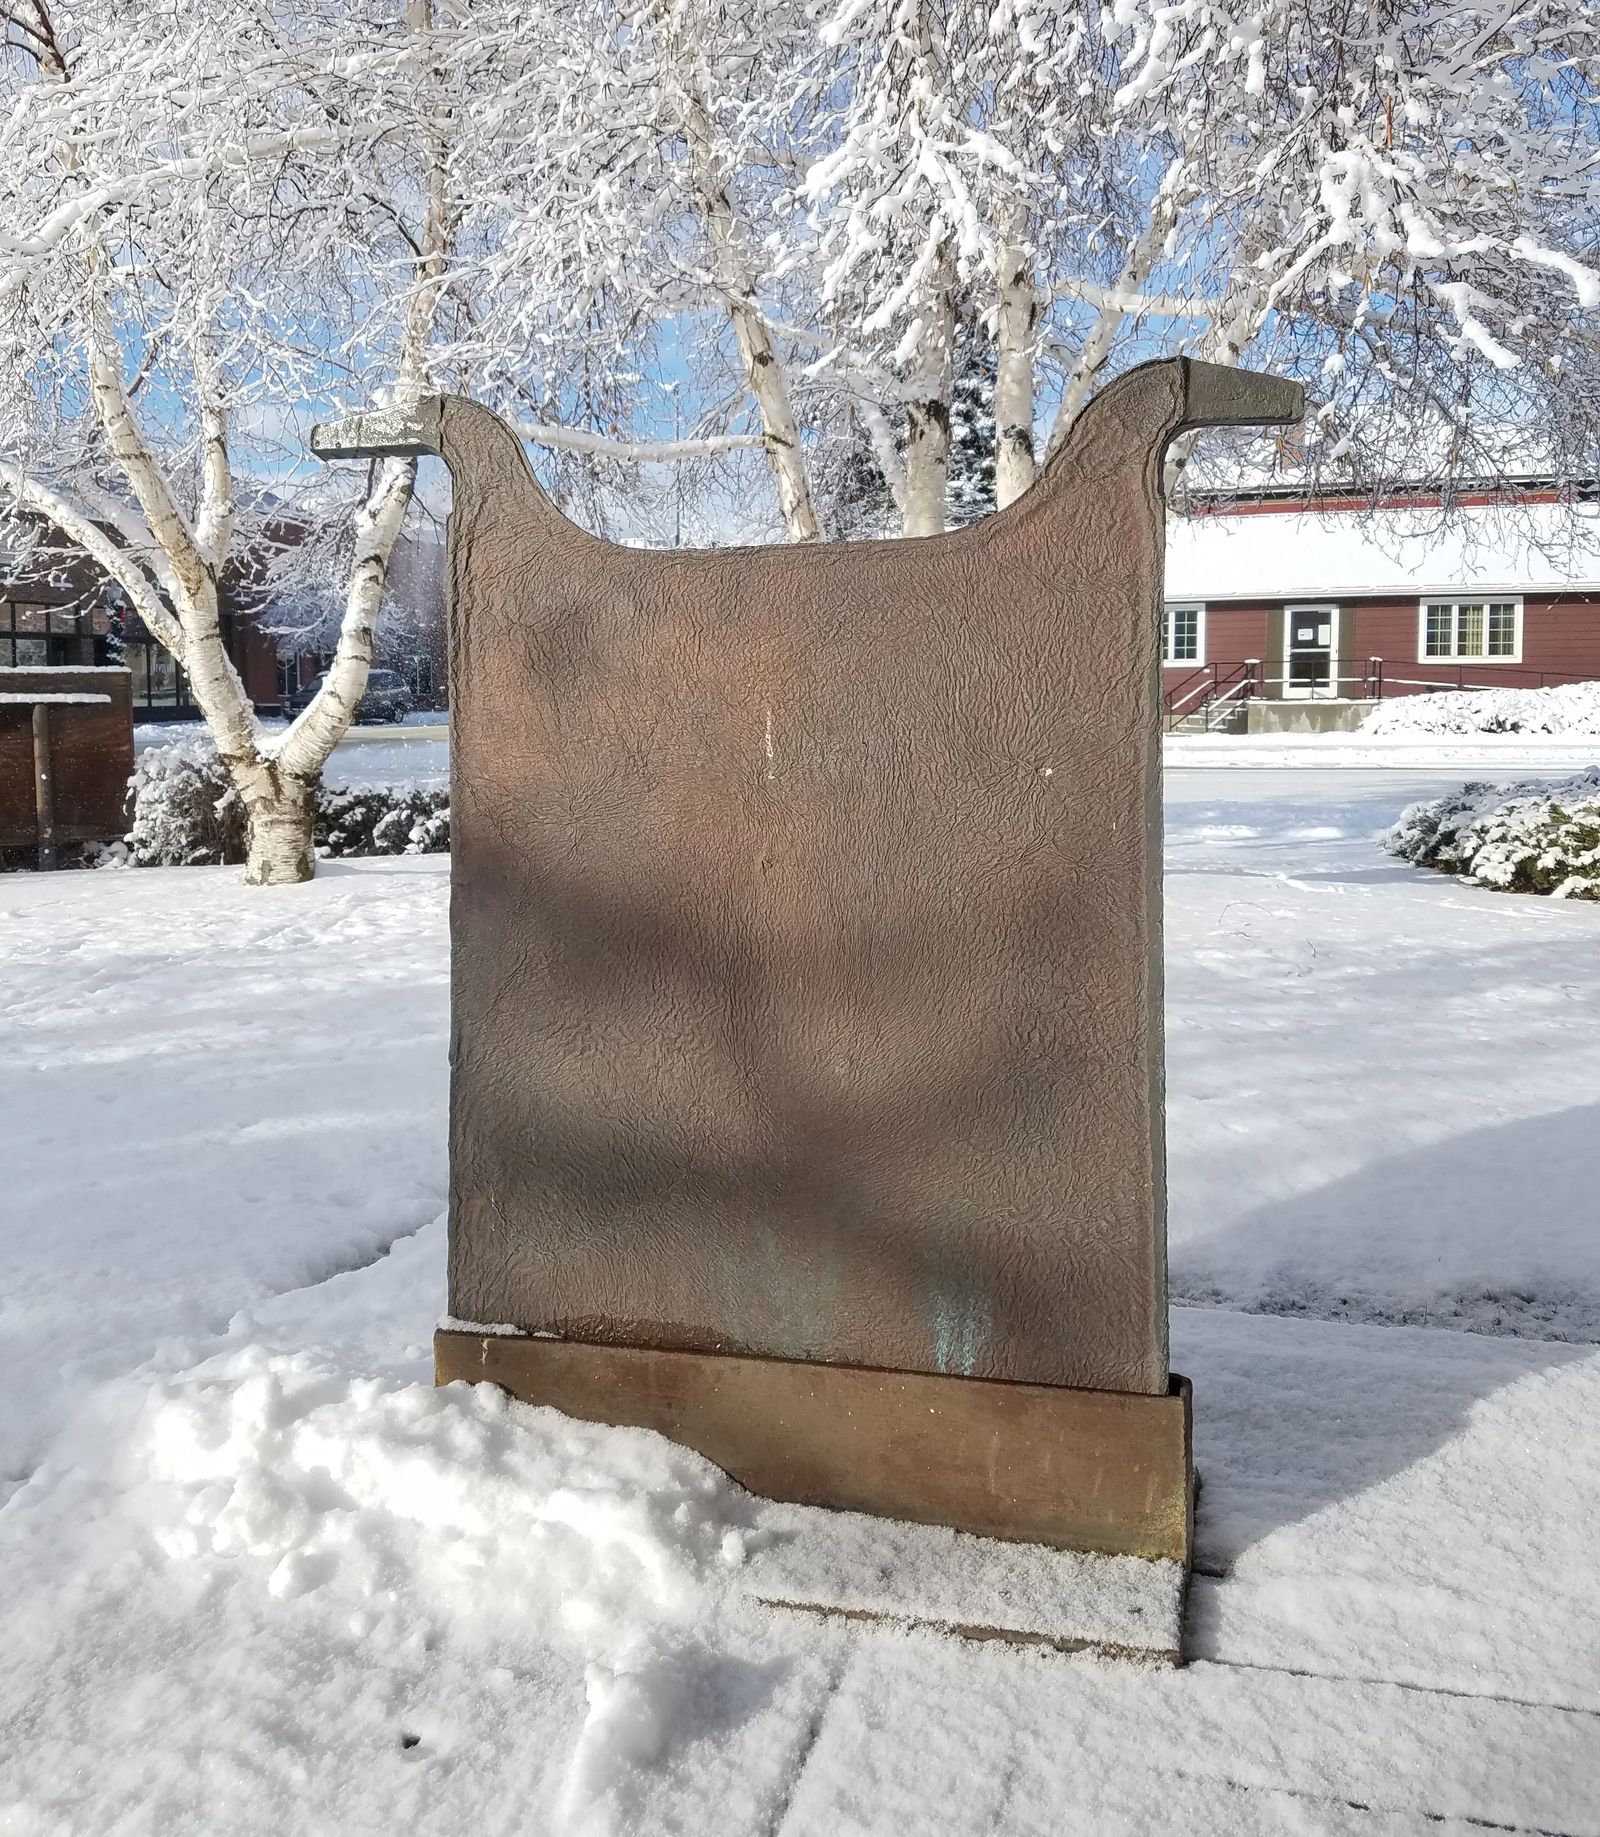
[[1526, 838], [383, 820], [187, 814], [185, 811]]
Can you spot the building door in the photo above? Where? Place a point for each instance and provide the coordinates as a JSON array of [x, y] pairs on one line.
[[1310, 645]]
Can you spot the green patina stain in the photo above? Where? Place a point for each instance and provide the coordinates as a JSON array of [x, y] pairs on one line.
[[958, 1323]]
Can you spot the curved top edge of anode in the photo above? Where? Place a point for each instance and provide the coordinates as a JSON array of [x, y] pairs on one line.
[[1145, 409]]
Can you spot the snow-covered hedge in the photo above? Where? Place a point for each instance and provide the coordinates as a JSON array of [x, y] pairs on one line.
[[186, 814], [1573, 708], [383, 820], [1526, 838]]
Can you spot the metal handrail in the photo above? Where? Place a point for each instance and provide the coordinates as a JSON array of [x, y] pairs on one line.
[[1213, 690], [1206, 688], [1198, 683], [1377, 677], [1242, 690]]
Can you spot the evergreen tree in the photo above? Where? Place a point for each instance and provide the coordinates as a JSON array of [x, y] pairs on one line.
[[854, 496], [971, 489]]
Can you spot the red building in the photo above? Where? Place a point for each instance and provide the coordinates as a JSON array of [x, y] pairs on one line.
[[1283, 616], [63, 612]]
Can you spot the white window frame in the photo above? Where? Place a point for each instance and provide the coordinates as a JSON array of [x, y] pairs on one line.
[[1456, 597], [1196, 662], [1292, 692]]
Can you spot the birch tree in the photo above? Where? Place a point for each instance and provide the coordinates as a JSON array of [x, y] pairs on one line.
[[178, 191], [1393, 200], [793, 221]]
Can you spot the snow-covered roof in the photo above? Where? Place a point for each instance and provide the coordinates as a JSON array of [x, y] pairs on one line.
[[55, 701], [1275, 555]]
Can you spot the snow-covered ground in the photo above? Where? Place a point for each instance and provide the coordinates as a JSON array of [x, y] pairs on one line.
[[214, 1093], [1447, 754], [260, 1576], [1382, 1083], [414, 752], [419, 753]]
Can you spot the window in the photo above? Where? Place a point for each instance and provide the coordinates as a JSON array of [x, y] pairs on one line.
[[158, 683], [36, 637], [1471, 631], [1182, 630]]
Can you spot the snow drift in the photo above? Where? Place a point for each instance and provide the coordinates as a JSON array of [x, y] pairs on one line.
[[1572, 708]]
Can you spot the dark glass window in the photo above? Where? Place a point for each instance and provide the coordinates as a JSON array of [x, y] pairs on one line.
[[159, 686], [1181, 640], [35, 636]]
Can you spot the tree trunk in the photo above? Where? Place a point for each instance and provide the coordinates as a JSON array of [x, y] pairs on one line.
[[928, 412], [278, 824], [1013, 385], [736, 278], [927, 465], [1113, 314]]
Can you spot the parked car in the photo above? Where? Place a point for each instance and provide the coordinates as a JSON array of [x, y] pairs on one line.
[[388, 698]]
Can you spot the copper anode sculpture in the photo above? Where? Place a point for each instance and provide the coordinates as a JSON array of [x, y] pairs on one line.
[[806, 973]]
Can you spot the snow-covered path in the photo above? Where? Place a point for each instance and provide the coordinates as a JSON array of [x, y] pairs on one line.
[[269, 1580]]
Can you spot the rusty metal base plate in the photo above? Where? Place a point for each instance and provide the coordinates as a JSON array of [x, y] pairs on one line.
[[1099, 1471]]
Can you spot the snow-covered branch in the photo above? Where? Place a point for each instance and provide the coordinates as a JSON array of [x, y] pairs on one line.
[[635, 452], [1115, 300], [883, 241], [83, 528], [1115, 305]]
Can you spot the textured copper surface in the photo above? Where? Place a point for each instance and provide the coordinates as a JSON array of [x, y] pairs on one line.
[[1034, 1463], [806, 921]]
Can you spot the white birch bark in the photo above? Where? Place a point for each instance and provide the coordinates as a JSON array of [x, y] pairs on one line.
[[304, 749], [301, 754], [735, 276], [1016, 322], [215, 682], [280, 843], [928, 413], [214, 525], [276, 786], [885, 449], [1110, 318], [277, 812]]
